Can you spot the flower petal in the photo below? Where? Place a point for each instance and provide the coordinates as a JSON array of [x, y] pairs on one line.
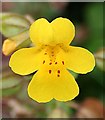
[[64, 30], [79, 60], [48, 85], [26, 60], [41, 32]]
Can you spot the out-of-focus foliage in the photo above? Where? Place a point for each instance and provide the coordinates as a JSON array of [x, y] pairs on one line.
[[16, 28], [94, 42], [13, 24], [10, 83], [94, 21], [16, 42], [35, 9], [100, 58]]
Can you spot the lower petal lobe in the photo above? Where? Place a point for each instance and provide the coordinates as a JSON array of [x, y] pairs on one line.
[[79, 60], [26, 60], [50, 84]]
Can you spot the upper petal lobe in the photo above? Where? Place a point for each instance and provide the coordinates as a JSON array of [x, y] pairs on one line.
[[63, 30]]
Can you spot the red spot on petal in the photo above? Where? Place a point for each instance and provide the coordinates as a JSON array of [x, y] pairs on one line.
[[43, 61], [58, 75], [58, 71], [50, 63], [49, 71], [63, 62], [55, 62]]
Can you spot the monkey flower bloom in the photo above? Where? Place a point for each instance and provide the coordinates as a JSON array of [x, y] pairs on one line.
[[51, 57]]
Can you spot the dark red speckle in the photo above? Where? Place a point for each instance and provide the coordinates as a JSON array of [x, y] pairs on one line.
[[50, 63], [63, 62], [58, 75], [43, 61], [45, 53], [49, 71], [58, 71]]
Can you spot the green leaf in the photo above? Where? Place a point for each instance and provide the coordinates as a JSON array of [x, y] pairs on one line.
[[10, 30], [10, 83], [10, 91], [13, 24], [21, 38]]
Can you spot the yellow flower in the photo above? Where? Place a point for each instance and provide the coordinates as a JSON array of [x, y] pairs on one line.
[[8, 46], [51, 58]]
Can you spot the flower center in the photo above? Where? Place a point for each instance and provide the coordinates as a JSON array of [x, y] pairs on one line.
[[52, 62]]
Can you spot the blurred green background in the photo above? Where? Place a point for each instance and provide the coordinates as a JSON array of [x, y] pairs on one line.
[[88, 20]]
